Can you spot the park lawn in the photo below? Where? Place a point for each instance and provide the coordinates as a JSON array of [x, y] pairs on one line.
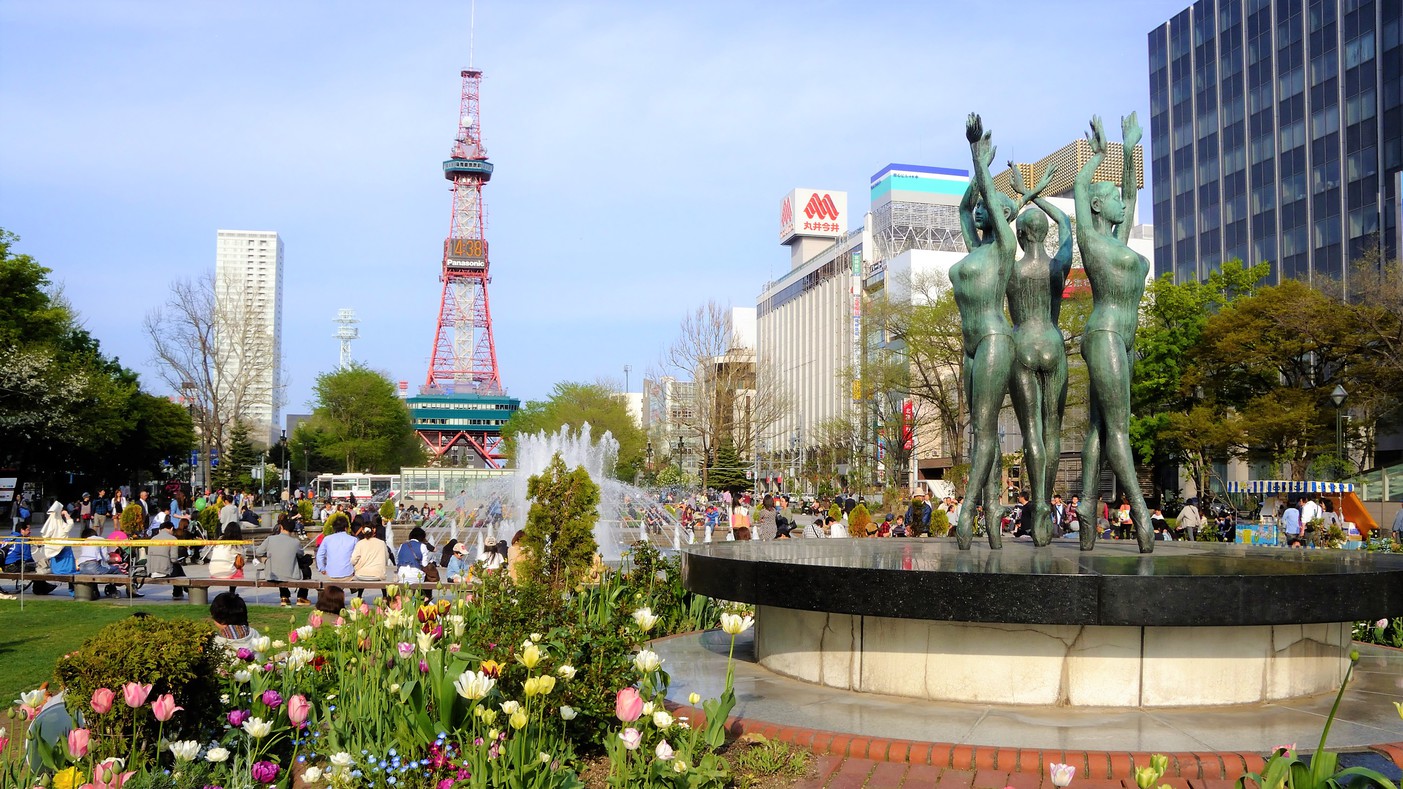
[[31, 641]]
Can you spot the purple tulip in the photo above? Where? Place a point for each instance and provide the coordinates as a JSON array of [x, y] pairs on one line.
[[405, 649], [423, 667], [237, 717], [264, 772], [245, 653], [272, 698]]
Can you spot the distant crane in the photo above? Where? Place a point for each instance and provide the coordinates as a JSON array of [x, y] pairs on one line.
[[346, 321]]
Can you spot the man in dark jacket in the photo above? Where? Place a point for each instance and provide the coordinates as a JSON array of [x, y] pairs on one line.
[[918, 515]]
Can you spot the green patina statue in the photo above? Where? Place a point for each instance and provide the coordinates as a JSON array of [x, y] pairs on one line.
[[979, 281], [1039, 384], [1117, 275]]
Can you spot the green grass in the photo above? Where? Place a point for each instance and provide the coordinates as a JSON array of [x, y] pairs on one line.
[[32, 641]]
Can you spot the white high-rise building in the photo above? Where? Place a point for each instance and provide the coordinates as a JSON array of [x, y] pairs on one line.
[[249, 298]]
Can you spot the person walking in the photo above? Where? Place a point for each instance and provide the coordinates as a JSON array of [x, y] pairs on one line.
[[1189, 521]]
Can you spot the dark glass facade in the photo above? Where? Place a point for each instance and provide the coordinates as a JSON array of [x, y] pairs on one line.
[[1276, 131]]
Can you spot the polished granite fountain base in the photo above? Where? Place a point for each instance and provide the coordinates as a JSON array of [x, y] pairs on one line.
[[1053, 665], [1193, 624]]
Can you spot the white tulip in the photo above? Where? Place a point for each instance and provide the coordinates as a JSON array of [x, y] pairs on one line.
[[257, 728], [216, 755], [474, 685], [567, 713], [185, 750], [645, 619], [261, 644], [661, 719], [312, 774], [647, 661], [735, 624], [663, 751]]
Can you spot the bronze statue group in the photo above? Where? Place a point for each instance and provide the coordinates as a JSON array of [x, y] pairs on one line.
[[1025, 358]]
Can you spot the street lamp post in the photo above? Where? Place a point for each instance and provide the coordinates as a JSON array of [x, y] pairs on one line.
[[287, 468], [187, 389], [1338, 398]]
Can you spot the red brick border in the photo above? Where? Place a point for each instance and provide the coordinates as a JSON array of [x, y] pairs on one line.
[[1201, 770]]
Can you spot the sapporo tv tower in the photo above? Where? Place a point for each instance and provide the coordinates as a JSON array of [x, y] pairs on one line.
[[460, 411]]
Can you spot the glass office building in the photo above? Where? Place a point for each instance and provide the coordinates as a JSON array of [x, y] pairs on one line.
[[1276, 132]]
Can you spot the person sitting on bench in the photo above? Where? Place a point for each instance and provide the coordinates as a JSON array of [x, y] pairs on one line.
[[91, 561]]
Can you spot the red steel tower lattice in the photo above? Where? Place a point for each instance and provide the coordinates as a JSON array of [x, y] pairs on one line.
[[465, 358]]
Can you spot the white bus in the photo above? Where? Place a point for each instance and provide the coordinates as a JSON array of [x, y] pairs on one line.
[[364, 487]]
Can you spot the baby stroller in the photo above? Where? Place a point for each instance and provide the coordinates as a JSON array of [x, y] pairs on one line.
[[132, 562], [192, 530]]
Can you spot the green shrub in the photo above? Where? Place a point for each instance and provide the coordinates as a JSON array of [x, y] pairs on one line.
[[858, 520], [835, 512], [939, 522], [209, 520], [330, 525], [387, 510], [133, 519], [173, 656], [306, 508]]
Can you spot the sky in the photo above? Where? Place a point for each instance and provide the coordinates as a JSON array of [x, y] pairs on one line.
[[641, 151]]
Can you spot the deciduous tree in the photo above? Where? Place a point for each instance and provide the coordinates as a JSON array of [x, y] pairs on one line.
[[359, 419], [573, 405]]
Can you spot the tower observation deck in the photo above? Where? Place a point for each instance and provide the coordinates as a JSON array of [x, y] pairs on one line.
[[462, 406]]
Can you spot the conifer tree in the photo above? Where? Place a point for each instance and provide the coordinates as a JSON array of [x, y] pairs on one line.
[[558, 544]]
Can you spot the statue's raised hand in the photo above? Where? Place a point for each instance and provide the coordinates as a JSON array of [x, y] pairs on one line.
[[974, 128], [1130, 131], [1097, 136], [1045, 180], [1015, 177]]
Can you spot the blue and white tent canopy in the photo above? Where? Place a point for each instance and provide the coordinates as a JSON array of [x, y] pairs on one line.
[[1275, 486]]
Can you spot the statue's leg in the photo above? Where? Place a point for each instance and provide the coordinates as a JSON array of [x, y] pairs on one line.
[[964, 525], [1112, 379], [1025, 389], [1090, 462], [989, 383], [1054, 405]]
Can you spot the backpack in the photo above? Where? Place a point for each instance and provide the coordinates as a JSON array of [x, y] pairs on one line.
[[410, 555]]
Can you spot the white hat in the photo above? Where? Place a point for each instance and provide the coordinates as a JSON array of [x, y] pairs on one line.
[[55, 507]]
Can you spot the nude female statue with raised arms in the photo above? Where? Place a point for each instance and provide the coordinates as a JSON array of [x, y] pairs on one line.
[[1117, 275], [1039, 383], [979, 281]]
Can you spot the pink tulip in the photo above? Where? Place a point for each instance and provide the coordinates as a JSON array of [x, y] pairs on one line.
[[4, 741], [102, 700], [107, 775], [628, 705], [292, 637], [297, 709], [340, 621], [135, 694], [315, 620], [78, 743], [164, 707]]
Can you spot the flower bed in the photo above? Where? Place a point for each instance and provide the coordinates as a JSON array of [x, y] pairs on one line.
[[505, 685]]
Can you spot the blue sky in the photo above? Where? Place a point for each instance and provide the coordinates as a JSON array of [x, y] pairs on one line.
[[641, 150]]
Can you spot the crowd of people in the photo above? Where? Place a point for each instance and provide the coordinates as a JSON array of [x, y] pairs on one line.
[[349, 543]]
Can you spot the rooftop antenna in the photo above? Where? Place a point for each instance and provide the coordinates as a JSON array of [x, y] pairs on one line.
[[346, 320], [472, 31]]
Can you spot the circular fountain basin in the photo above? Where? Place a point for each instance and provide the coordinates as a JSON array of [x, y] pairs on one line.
[[1191, 624]]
